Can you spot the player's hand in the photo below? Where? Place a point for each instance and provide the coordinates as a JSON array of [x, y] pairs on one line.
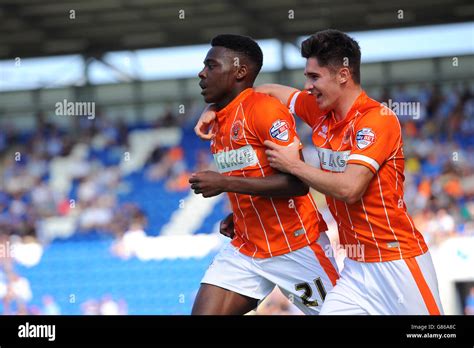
[[283, 158], [227, 226], [208, 183], [205, 123]]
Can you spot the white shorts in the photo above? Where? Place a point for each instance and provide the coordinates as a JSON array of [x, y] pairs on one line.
[[401, 287], [304, 275]]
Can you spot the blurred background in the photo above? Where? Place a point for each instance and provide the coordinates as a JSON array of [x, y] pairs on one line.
[[98, 100]]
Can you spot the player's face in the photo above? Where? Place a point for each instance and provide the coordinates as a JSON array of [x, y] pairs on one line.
[[218, 75], [322, 84]]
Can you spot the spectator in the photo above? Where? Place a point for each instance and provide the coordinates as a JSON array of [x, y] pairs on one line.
[[469, 307], [50, 307]]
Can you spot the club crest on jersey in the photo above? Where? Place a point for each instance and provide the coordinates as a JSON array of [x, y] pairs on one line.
[[365, 137], [280, 130], [236, 130]]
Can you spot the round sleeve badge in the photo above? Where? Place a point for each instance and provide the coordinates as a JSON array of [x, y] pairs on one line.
[[280, 130], [364, 138]]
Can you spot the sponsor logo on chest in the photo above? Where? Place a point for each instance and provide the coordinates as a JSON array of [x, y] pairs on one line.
[[227, 161], [334, 161]]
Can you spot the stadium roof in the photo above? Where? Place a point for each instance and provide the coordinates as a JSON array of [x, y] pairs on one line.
[[32, 28]]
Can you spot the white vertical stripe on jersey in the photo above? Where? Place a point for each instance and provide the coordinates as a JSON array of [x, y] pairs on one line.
[[371, 230], [235, 194], [352, 228], [250, 197], [263, 175], [319, 124], [396, 185], [339, 223], [386, 214], [293, 103], [243, 217], [271, 199], [314, 206], [413, 231]]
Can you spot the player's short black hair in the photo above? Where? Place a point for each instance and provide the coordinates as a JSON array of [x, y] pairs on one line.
[[244, 45], [334, 49]]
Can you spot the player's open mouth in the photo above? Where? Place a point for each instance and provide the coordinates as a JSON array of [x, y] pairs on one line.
[[319, 96]]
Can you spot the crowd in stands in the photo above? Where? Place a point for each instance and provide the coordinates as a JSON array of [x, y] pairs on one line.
[[439, 168]]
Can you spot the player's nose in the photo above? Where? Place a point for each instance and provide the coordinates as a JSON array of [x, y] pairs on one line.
[[308, 86], [202, 74]]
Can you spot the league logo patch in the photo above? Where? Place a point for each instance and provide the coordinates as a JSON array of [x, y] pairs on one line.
[[365, 137], [237, 130], [280, 130]]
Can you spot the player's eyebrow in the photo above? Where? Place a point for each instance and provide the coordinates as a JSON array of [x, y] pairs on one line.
[[210, 60], [311, 73]]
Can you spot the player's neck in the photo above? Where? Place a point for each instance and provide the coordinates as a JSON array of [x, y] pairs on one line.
[[231, 96], [346, 101]]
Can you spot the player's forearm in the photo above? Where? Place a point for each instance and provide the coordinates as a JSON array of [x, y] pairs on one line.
[[280, 92], [335, 185], [277, 185]]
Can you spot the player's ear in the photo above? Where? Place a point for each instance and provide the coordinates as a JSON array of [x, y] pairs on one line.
[[242, 72], [343, 75], [241, 68]]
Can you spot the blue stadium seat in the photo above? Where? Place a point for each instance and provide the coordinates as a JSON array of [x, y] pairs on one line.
[[87, 270]]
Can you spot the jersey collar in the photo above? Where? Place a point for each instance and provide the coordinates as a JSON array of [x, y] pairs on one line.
[[352, 113], [236, 101]]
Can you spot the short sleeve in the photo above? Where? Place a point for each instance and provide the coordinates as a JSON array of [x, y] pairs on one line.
[[272, 121], [377, 138], [303, 105]]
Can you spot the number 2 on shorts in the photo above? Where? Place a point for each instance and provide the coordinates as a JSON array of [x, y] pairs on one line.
[[308, 292]]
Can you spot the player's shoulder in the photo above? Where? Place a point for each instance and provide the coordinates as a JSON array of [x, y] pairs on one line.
[[376, 113], [261, 101], [268, 114]]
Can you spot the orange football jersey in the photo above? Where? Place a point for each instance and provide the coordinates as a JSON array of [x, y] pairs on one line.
[[377, 227], [264, 227]]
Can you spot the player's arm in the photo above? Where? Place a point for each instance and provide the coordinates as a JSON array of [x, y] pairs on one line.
[[348, 186], [377, 139], [203, 128], [280, 92], [278, 185]]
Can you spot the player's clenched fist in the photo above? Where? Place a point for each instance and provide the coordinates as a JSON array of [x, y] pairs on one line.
[[208, 183], [227, 226]]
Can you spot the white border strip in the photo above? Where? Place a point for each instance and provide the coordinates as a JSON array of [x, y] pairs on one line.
[[366, 159], [293, 102]]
